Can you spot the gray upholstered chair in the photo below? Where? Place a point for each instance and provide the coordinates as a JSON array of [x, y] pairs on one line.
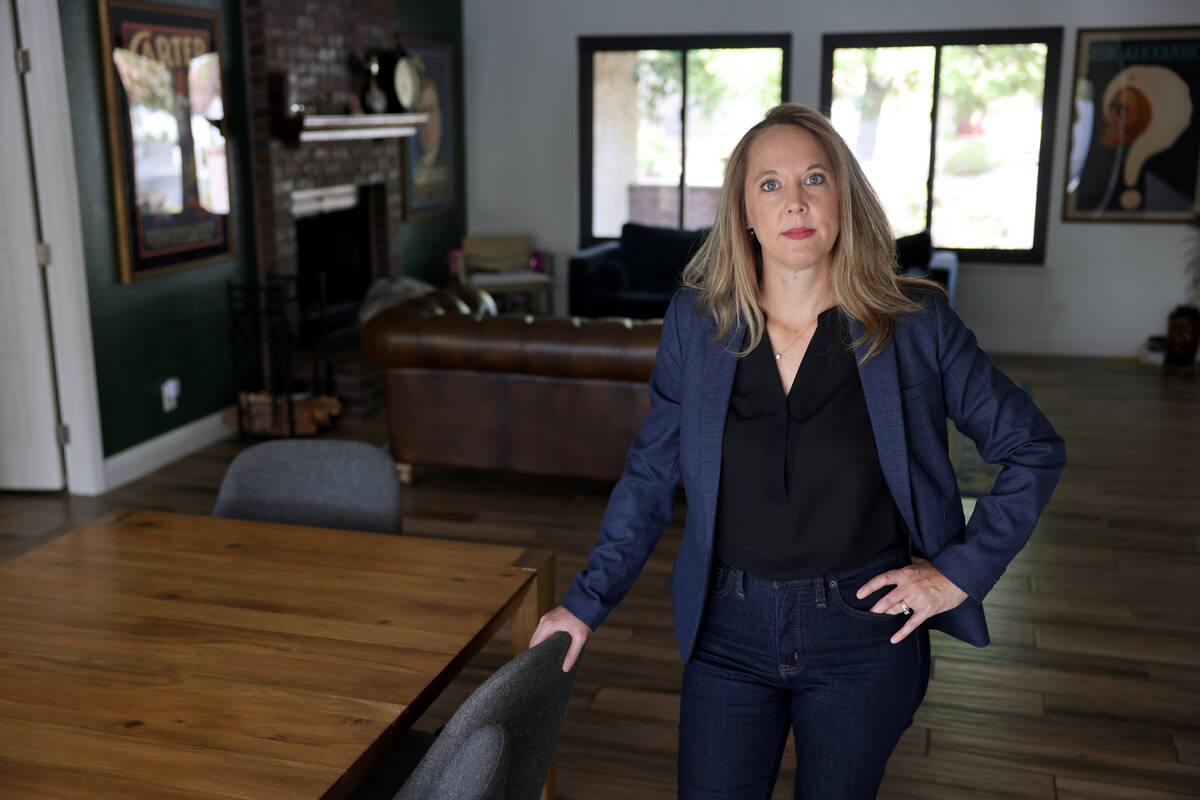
[[477, 770], [327, 483], [499, 744]]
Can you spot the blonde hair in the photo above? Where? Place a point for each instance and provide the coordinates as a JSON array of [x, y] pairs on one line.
[[725, 270]]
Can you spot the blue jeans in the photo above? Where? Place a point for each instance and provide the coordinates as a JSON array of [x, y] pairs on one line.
[[805, 654]]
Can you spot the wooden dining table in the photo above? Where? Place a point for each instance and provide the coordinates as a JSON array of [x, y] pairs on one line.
[[152, 654]]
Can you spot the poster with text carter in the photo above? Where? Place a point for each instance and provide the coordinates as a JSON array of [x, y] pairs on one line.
[[167, 134]]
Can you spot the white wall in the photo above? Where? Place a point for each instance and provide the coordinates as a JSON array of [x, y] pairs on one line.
[[1104, 286]]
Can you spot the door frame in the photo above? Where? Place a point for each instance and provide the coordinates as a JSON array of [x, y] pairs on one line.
[[39, 28]]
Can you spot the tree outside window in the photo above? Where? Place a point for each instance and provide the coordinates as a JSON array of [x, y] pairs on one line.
[[954, 131]]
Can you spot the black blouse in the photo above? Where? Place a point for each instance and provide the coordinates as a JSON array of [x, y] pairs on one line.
[[801, 490]]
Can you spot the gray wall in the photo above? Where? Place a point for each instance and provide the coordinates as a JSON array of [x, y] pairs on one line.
[[1104, 286]]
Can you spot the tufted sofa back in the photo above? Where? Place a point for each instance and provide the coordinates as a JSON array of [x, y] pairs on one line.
[[438, 333]]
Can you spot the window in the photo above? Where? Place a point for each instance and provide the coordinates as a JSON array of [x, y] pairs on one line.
[[658, 118], [954, 130]]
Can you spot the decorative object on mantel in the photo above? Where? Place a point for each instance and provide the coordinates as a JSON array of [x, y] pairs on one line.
[[374, 98], [166, 131], [393, 83], [431, 157], [1135, 131], [287, 110], [292, 122]]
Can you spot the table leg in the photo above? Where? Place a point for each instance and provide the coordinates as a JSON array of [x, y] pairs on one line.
[[539, 598]]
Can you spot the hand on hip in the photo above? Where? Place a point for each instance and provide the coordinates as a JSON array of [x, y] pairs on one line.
[[921, 591]]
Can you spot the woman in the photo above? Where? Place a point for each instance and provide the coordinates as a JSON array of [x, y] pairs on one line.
[[824, 533]]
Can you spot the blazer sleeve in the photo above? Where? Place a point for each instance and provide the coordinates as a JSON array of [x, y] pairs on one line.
[[1008, 429], [643, 502]]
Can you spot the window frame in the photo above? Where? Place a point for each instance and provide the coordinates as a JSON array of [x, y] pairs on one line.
[[1051, 37], [588, 46]]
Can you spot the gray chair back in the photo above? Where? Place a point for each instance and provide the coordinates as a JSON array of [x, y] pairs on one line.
[[326, 483], [499, 744]]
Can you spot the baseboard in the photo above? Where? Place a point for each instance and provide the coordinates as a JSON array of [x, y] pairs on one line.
[[142, 459]]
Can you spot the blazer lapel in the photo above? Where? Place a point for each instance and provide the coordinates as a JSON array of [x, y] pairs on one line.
[[881, 388], [716, 383]]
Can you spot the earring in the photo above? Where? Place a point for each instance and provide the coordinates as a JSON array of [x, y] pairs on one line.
[[751, 230]]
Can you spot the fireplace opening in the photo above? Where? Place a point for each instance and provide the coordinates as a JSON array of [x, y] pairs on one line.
[[335, 259]]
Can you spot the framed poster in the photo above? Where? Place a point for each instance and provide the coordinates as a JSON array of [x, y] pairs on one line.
[[430, 157], [166, 129], [1135, 130]]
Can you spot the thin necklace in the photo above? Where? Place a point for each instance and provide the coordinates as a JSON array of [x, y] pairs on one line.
[[779, 353]]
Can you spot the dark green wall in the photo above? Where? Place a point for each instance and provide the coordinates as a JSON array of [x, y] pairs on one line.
[[427, 242], [172, 325]]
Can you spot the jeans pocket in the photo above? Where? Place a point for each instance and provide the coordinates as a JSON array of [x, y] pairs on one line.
[[845, 598]]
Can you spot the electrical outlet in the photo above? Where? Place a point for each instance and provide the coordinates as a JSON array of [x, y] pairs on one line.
[[172, 388]]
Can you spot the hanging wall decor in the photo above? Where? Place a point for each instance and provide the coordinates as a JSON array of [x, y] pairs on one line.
[[167, 137], [431, 157], [1135, 130]]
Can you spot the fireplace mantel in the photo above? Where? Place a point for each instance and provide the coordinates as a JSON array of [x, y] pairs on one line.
[[318, 43], [347, 127]]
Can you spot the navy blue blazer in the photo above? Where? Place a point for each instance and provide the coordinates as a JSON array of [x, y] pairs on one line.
[[930, 370]]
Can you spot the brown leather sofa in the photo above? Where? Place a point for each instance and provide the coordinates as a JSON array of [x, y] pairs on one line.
[[536, 395]]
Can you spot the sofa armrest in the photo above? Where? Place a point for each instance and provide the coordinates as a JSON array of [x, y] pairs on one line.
[[584, 266]]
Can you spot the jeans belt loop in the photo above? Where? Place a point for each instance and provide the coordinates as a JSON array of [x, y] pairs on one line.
[[740, 585], [821, 591]]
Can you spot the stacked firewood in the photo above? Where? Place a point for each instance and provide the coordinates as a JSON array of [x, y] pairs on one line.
[[264, 415]]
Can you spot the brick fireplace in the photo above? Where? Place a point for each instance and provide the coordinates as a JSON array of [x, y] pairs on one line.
[[307, 52], [316, 43]]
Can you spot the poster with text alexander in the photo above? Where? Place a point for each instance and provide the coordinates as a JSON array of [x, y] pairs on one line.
[[167, 134], [1135, 132]]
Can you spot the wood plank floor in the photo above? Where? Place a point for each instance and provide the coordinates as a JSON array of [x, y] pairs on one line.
[[1091, 688]]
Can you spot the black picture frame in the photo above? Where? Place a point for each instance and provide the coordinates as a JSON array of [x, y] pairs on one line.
[[1134, 151]]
